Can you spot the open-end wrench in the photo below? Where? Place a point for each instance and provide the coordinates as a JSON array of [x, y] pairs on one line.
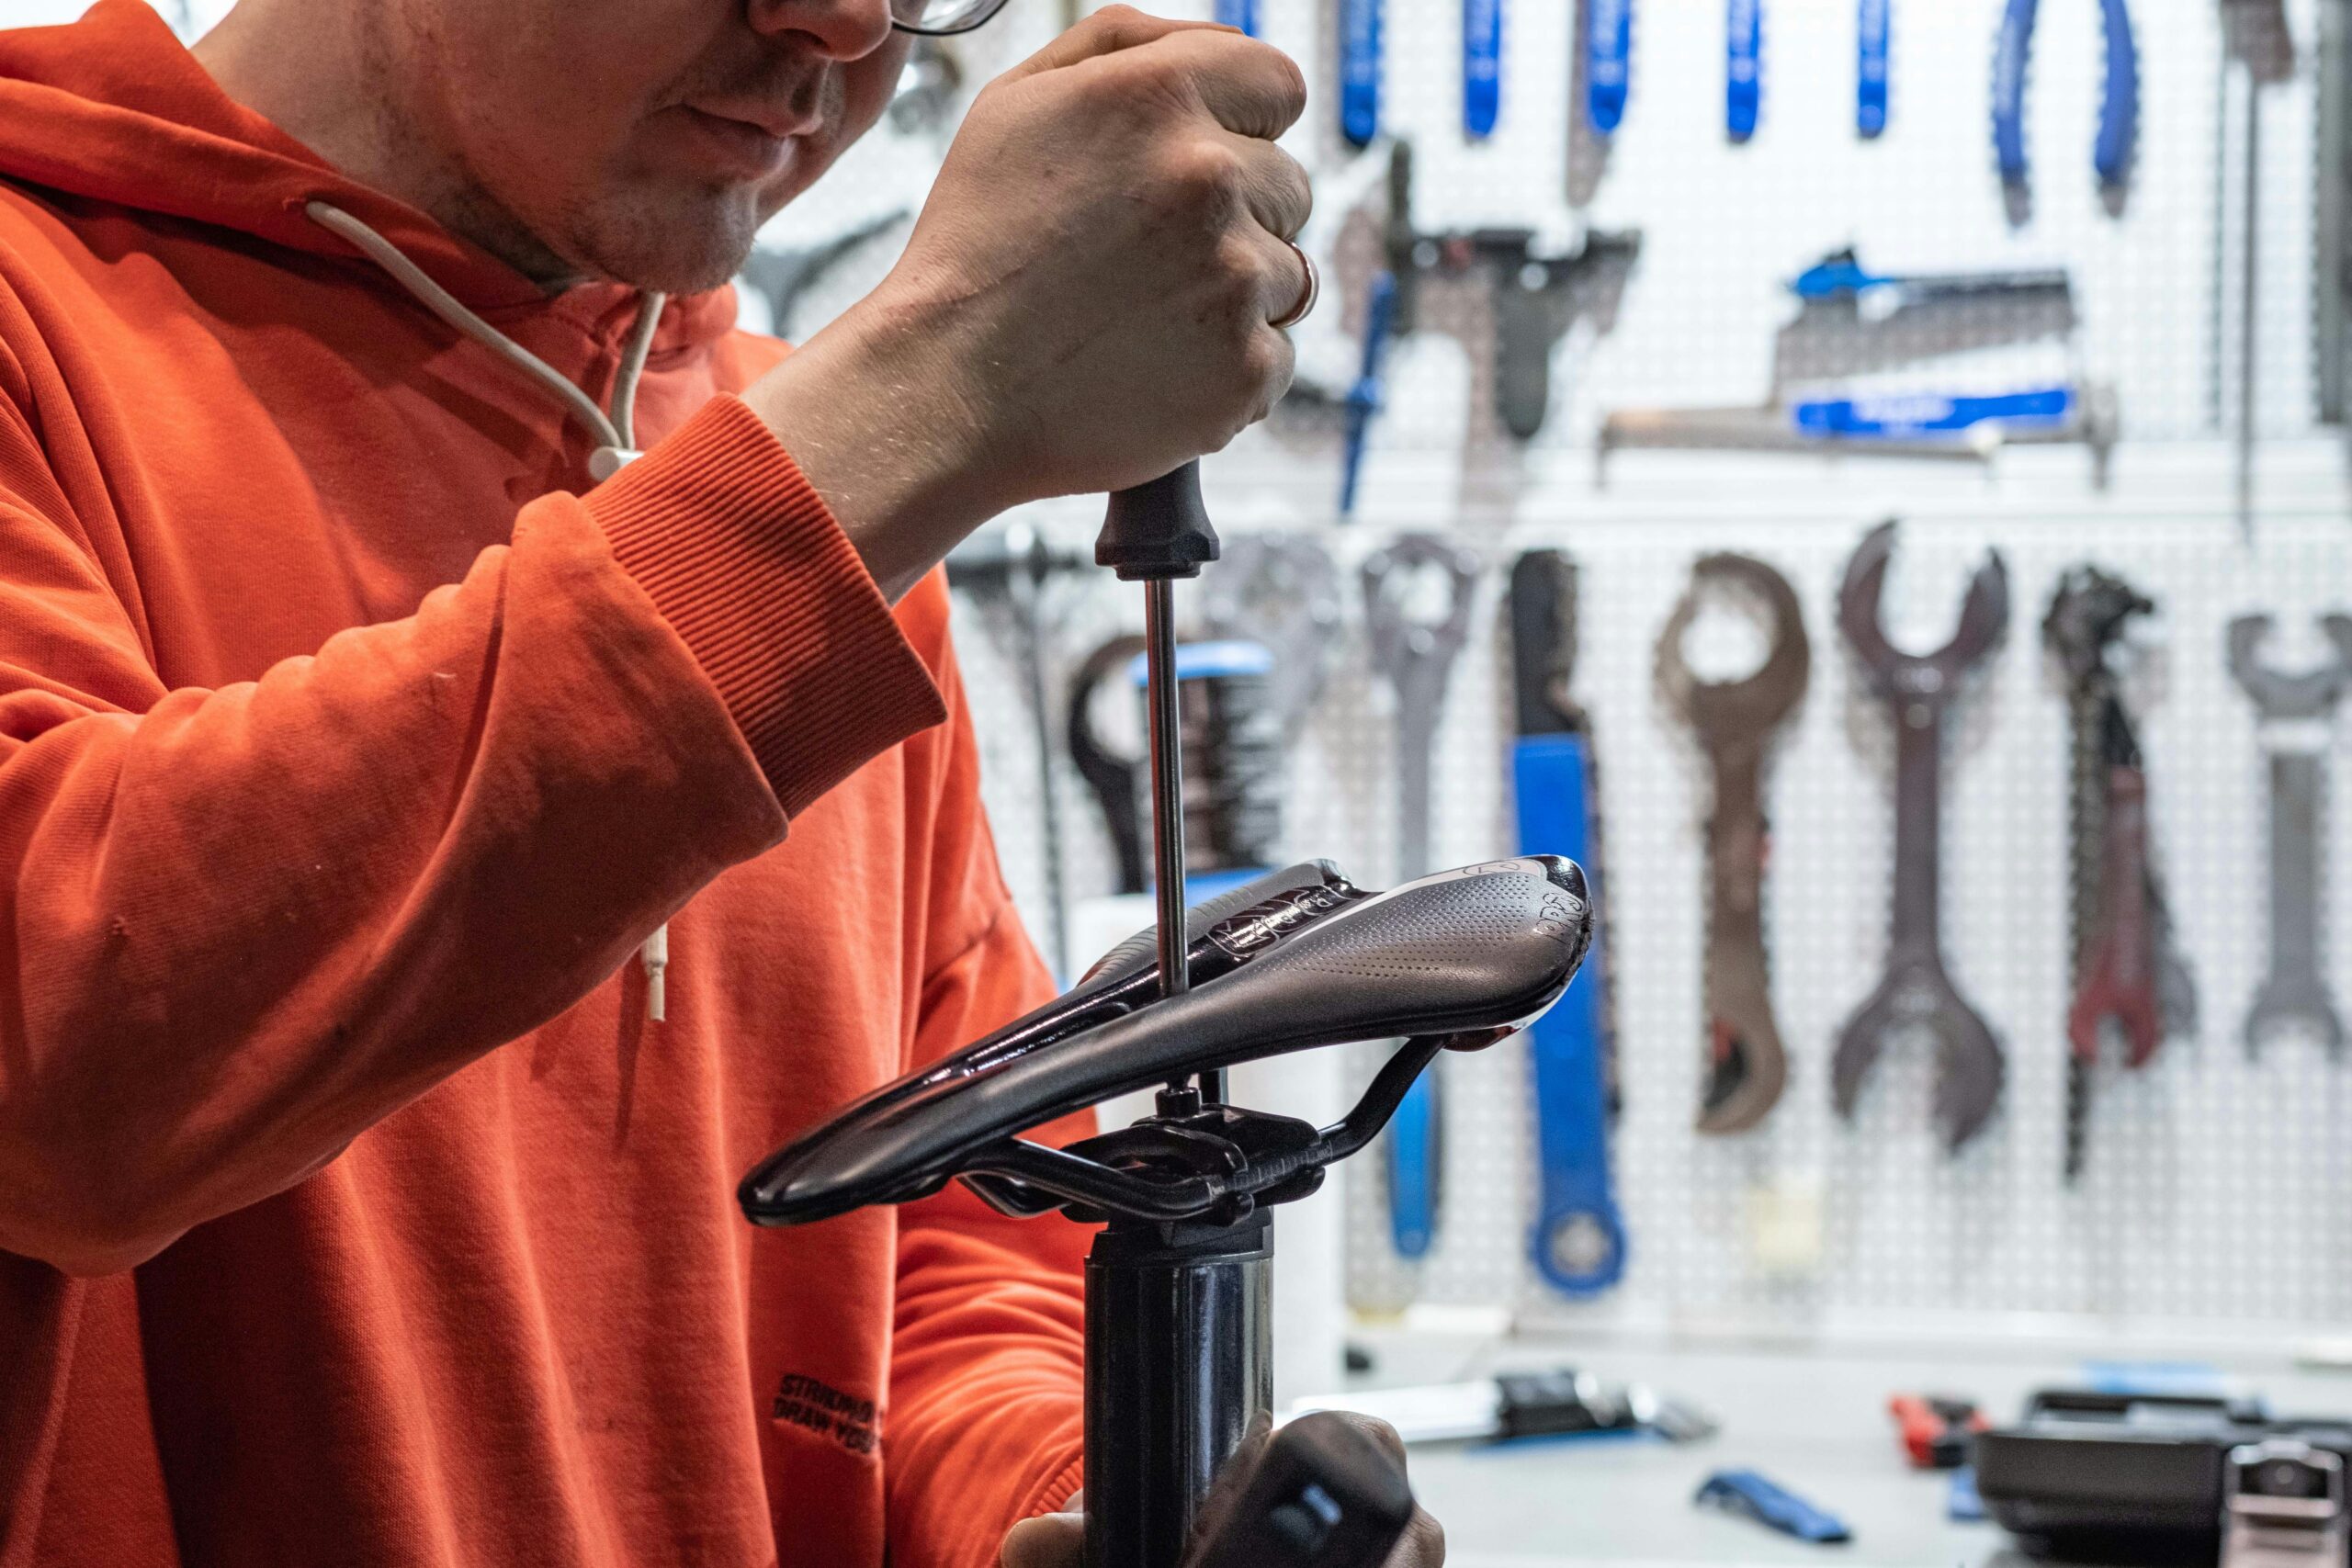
[[1918, 690], [1279, 589], [2295, 711], [1416, 656], [1747, 1066]]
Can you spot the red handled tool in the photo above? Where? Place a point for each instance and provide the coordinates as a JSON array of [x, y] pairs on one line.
[[1937, 1432]]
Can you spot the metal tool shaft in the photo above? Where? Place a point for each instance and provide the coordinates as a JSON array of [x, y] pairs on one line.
[[1167, 779]]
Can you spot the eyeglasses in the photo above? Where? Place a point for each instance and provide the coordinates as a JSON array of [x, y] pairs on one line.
[[937, 18]]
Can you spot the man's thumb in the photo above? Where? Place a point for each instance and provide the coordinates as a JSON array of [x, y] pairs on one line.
[[1050, 1540]]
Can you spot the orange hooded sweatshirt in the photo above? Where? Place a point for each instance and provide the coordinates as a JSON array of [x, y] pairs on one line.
[[351, 1212]]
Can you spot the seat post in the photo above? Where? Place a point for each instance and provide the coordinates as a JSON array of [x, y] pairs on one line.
[[1179, 1370]]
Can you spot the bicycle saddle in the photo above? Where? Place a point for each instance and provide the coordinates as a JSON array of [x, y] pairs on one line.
[[1293, 961]]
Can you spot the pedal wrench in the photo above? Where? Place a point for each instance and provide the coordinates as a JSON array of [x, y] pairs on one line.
[[1915, 990], [1417, 657], [2294, 989], [1279, 590], [1735, 721]]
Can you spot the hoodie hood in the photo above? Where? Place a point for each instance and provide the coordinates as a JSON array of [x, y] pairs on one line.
[[114, 109]]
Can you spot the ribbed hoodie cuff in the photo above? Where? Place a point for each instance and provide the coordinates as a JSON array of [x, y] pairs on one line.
[[749, 567], [1062, 1484]]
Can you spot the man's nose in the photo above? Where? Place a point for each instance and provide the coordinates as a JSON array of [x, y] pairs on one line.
[[844, 29]]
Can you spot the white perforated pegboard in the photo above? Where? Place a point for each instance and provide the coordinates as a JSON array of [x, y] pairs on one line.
[[2213, 1196], [2214, 1188]]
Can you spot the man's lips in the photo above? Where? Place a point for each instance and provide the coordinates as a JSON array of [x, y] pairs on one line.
[[757, 147]]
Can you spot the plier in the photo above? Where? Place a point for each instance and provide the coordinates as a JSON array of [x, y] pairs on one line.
[[2118, 110]]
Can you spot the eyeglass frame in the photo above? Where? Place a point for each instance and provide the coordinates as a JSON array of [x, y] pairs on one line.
[[978, 21]]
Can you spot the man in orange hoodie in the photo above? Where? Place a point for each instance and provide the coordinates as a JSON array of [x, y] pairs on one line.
[[361, 1203]]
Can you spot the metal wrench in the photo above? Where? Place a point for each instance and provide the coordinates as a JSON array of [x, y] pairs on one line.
[[1282, 590], [1417, 657], [1918, 690], [1734, 720], [2295, 709]]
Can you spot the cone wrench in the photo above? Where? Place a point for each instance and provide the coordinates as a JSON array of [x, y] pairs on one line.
[[1918, 690]]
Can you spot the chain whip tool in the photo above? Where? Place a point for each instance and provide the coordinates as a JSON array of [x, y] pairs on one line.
[[1735, 721], [2127, 974]]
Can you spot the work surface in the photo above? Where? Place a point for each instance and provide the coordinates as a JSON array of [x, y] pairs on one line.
[[1815, 1424]]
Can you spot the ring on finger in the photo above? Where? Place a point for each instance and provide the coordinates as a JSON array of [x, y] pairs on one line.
[[1307, 295]]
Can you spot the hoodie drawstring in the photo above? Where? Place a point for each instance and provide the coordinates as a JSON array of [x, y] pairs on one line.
[[615, 436]]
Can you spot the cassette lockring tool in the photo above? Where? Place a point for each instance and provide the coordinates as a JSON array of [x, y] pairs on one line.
[[1181, 1466]]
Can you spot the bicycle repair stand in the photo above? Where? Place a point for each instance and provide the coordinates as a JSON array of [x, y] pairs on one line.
[[1178, 1375]]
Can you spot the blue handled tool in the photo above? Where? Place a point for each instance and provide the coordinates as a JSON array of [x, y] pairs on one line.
[[1607, 62], [1772, 1505], [1364, 395], [1743, 66], [1871, 20], [1579, 1237], [2119, 107], [1360, 71], [1905, 415], [1242, 14], [1482, 66], [1840, 275]]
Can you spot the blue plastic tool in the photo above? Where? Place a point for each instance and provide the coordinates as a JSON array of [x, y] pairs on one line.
[[1871, 20], [1772, 1505], [1482, 66], [1242, 14], [1579, 1239], [2118, 106], [1360, 71], [1365, 397], [1743, 66], [1607, 62], [1904, 415]]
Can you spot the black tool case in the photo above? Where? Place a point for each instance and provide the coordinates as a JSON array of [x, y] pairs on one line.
[[2105, 1476]]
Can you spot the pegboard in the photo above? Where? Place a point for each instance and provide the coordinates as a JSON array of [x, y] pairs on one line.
[[2215, 1186]]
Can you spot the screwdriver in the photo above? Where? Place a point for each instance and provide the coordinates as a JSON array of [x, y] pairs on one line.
[[1155, 534]]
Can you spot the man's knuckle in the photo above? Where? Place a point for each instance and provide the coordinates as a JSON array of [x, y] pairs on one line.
[[1208, 177]]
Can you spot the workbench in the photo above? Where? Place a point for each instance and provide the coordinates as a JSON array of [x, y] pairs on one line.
[[1815, 1422]]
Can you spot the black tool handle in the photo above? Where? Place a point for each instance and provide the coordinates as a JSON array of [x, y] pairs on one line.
[[1158, 530], [1321, 1493]]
